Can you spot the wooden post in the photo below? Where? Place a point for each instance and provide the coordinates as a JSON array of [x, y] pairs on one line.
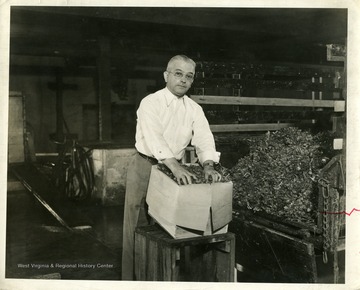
[[59, 86], [59, 108], [104, 83]]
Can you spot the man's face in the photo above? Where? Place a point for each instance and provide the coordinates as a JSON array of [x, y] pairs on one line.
[[179, 77]]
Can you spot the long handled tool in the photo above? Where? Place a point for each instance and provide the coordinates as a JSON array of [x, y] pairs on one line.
[[48, 207]]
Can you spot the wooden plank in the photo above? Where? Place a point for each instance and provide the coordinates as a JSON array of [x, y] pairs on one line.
[[185, 263], [278, 102], [225, 260], [175, 269], [152, 262], [167, 265], [140, 257], [206, 264], [224, 269], [198, 264], [248, 127]]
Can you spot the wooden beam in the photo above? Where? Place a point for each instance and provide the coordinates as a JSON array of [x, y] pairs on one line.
[[246, 101], [104, 83], [248, 127]]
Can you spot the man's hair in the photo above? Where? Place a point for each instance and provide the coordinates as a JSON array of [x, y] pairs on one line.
[[180, 57]]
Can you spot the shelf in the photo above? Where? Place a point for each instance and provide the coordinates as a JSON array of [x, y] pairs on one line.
[[249, 127], [338, 105]]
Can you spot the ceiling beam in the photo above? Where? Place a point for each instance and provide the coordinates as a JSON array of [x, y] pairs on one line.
[[26, 60]]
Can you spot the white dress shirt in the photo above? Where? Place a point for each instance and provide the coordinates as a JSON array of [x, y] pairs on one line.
[[166, 124]]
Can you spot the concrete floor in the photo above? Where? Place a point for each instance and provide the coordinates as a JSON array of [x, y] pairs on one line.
[[37, 245]]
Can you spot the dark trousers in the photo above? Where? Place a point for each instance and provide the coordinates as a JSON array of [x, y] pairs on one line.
[[135, 213]]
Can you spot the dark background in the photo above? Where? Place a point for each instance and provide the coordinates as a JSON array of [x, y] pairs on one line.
[[99, 62]]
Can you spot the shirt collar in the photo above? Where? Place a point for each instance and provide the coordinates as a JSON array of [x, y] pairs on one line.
[[170, 97]]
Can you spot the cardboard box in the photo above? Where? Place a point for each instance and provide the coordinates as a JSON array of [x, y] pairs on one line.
[[189, 210]]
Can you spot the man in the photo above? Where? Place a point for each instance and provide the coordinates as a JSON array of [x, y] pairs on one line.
[[167, 121]]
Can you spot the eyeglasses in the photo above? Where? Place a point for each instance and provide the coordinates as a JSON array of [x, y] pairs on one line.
[[180, 75]]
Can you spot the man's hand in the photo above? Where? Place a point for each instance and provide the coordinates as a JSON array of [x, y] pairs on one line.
[[210, 171], [181, 174]]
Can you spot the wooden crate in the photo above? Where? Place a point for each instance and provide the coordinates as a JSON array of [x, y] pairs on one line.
[[269, 255], [158, 257]]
